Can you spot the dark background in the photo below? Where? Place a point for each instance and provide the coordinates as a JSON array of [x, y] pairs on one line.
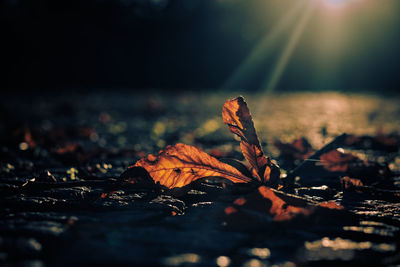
[[192, 44]]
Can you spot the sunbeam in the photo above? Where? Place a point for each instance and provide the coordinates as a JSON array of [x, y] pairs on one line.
[[262, 49], [283, 60]]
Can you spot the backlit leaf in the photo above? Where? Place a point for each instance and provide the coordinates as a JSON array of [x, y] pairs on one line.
[[179, 165], [236, 115]]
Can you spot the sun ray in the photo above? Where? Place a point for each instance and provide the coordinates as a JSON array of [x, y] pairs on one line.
[[263, 49], [273, 79]]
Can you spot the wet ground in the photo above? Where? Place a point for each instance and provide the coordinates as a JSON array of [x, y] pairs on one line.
[[63, 204]]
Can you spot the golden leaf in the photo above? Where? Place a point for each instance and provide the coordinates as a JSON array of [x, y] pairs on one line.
[[236, 115], [180, 165]]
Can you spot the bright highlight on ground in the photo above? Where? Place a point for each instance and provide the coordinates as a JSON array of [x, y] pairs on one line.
[[338, 3]]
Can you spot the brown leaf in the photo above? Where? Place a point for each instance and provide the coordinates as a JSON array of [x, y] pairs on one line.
[[236, 115], [356, 185], [278, 205], [279, 209], [68, 148], [337, 161], [180, 165], [29, 139], [298, 149], [368, 172], [331, 205], [270, 202], [385, 142], [350, 183]]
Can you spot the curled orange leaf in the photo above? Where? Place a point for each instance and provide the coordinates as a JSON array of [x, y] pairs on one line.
[[236, 115], [179, 165], [280, 210]]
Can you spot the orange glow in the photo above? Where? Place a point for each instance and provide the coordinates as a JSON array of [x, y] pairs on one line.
[[240, 201], [229, 210]]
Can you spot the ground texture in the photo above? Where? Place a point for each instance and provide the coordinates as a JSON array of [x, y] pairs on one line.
[[62, 201]]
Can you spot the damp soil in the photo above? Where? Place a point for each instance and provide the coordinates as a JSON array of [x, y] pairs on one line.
[[62, 202]]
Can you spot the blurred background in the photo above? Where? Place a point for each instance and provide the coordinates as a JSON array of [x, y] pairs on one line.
[[254, 45]]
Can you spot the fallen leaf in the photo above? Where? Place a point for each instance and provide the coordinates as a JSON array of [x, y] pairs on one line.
[[356, 185], [267, 201], [236, 115], [368, 172], [331, 205], [179, 165], [279, 209], [230, 210], [137, 175], [68, 148], [349, 183], [237, 165], [298, 149], [276, 204], [29, 139], [385, 142], [337, 161], [217, 153]]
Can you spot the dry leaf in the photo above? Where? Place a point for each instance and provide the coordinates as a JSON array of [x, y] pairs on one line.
[[385, 142], [68, 148], [180, 165], [350, 183], [236, 115], [276, 204], [337, 161], [267, 201], [177, 166], [29, 139], [356, 185], [368, 172], [332, 205], [279, 209], [298, 149]]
